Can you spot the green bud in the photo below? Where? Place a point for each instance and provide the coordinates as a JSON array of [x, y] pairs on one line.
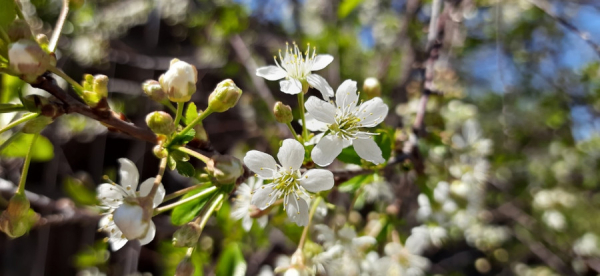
[[36, 125], [16, 220], [185, 268], [160, 152], [372, 88], [187, 235], [224, 97], [283, 113], [224, 169], [160, 122], [153, 89], [100, 85]]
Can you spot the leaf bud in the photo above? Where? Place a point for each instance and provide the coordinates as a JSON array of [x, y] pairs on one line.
[[372, 88], [16, 220], [153, 90], [100, 85], [283, 113], [160, 122], [185, 268], [224, 97], [224, 169], [187, 235], [179, 82]]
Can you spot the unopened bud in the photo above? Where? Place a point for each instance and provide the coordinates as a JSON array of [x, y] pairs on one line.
[[225, 169], [187, 235], [43, 41], [224, 97], [153, 89], [372, 88], [185, 268], [100, 85], [27, 59], [16, 220], [36, 125], [160, 122], [283, 113], [160, 152], [18, 29], [179, 82]]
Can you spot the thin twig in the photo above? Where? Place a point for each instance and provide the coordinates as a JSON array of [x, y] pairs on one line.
[[59, 25]]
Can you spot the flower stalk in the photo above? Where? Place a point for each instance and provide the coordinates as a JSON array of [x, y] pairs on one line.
[[21, 187], [76, 86], [199, 156], [23, 119], [183, 191], [185, 200], [302, 117], [159, 176], [196, 121], [313, 209], [179, 113]]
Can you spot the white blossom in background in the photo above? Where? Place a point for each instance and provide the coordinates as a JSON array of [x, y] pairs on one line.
[[287, 180], [242, 206], [472, 139], [345, 123], [344, 250], [378, 191], [587, 245], [430, 235], [296, 67], [554, 219], [557, 197], [486, 237], [402, 260], [122, 219]]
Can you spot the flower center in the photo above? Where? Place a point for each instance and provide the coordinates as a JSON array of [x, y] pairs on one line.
[[297, 64], [346, 126], [286, 181]]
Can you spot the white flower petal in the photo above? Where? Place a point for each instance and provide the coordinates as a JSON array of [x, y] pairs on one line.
[[129, 176], [297, 210], [291, 154], [314, 140], [128, 218], [320, 84], [328, 148], [321, 61], [364, 241], [291, 86], [264, 196], [372, 112], [145, 188], [320, 110], [346, 95], [117, 243], [271, 73], [317, 180], [262, 221], [247, 223], [149, 234], [369, 150], [313, 124], [110, 195], [262, 164]]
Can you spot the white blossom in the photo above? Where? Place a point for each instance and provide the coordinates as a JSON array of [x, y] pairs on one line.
[[345, 123], [402, 260], [587, 245], [344, 250], [122, 219], [554, 219], [179, 82], [296, 67], [243, 208], [287, 180]]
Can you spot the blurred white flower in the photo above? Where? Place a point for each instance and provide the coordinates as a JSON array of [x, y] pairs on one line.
[[402, 260], [554, 219], [587, 246], [472, 139], [296, 67], [288, 182], [123, 219], [242, 207], [344, 250], [546, 199], [345, 122]]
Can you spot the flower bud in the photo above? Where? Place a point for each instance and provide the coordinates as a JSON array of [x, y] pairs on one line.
[[27, 59], [153, 90], [185, 268], [224, 97], [100, 85], [16, 220], [187, 235], [283, 113], [225, 169], [160, 152], [160, 122], [43, 41], [36, 125], [179, 82], [18, 29], [95, 88], [372, 88], [129, 217]]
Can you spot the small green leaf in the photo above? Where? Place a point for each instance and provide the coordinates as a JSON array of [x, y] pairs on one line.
[[7, 13], [11, 85], [349, 156], [79, 192], [231, 262], [186, 212], [190, 113], [356, 182], [184, 138], [42, 149], [171, 163], [186, 169], [346, 7]]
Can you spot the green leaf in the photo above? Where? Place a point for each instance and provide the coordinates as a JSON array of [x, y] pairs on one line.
[[190, 113], [349, 156], [186, 169], [346, 7], [42, 149], [231, 262], [171, 163], [184, 138], [384, 141], [356, 182], [11, 85], [186, 212], [7, 13], [79, 192]]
